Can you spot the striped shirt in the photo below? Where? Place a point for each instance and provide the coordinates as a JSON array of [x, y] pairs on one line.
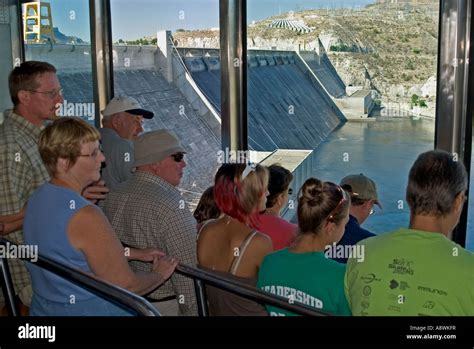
[[148, 212], [21, 172]]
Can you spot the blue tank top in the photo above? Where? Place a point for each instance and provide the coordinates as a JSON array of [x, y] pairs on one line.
[[47, 216]]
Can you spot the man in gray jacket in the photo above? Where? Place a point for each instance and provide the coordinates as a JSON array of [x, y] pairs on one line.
[[122, 123]]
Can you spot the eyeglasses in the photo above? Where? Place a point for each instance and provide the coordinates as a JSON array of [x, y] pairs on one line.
[[177, 157], [341, 202], [94, 153], [51, 94]]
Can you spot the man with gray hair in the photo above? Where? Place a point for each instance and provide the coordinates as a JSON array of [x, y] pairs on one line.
[[122, 123], [148, 211], [419, 270]]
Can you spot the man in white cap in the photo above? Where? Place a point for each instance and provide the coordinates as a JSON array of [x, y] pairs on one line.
[[148, 211], [122, 123], [364, 196]]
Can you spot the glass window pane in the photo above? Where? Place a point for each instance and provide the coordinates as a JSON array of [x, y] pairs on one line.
[[62, 37], [470, 218], [354, 81], [158, 60]]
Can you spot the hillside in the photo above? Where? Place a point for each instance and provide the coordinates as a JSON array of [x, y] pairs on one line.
[[387, 47]]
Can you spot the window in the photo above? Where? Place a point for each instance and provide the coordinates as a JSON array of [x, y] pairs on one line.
[[353, 81], [157, 60], [62, 37]]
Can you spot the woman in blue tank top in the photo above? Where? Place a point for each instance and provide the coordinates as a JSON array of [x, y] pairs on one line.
[[69, 229]]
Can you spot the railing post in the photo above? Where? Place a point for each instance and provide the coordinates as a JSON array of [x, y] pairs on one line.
[[201, 297], [233, 44], [454, 103], [102, 55], [8, 289]]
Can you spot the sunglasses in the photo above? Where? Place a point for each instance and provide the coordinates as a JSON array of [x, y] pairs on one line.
[[341, 202], [178, 157]]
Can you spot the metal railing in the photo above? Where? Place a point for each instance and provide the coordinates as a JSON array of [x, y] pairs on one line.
[[139, 304], [202, 277], [80, 278]]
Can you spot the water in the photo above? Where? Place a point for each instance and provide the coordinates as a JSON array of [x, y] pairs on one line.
[[384, 151]]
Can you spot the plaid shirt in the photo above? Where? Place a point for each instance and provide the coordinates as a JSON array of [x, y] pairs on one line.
[[145, 212], [21, 172]]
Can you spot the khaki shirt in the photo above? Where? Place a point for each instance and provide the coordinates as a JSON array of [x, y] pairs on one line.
[[147, 212]]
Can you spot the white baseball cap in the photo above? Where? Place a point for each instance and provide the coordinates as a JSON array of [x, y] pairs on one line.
[[126, 104]]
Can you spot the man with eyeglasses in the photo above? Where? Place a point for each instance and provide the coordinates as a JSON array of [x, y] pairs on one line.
[[122, 123], [35, 92], [148, 211], [363, 192]]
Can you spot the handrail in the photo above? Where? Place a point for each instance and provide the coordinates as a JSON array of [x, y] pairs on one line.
[[245, 291], [91, 283], [139, 304], [8, 288]]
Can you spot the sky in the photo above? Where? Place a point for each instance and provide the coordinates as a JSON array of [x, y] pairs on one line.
[[138, 18]]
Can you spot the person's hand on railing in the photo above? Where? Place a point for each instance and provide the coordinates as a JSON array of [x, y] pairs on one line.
[[165, 266], [145, 254], [95, 192]]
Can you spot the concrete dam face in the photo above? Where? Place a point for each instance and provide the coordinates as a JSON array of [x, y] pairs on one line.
[[172, 111], [287, 107], [327, 75]]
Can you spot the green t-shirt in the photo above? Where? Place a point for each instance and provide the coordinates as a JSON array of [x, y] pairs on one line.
[[410, 272], [309, 278]]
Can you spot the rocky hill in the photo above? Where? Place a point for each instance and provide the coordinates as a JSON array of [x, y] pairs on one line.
[[388, 47]]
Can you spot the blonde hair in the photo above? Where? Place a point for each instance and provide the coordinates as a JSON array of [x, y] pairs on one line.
[[63, 138], [239, 197]]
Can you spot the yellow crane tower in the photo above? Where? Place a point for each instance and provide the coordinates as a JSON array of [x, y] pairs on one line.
[[37, 21]]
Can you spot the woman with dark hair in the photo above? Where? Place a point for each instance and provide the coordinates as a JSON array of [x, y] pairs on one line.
[[206, 210], [228, 245], [279, 230], [302, 272]]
